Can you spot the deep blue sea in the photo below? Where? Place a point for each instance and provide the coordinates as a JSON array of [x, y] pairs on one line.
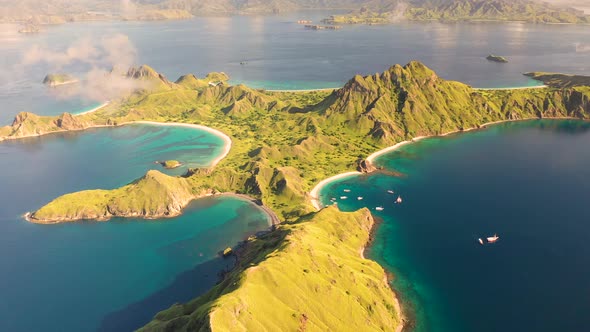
[[525, 181], [528, 182], [108, 276]]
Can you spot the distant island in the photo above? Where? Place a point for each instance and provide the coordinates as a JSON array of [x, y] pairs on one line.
[[54, 80], [363, 11], [283, 144], [497, 58], [462, 10]]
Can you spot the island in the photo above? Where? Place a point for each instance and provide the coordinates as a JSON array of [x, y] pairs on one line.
[[170, 164], [283, 146], [363, 11], [54, 80], [496, 58], [462, 10]]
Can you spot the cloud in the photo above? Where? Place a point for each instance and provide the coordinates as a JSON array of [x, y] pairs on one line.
[[109, 50], [108, 58]]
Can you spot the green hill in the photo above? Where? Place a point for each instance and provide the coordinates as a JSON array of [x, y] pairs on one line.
[[309, 276]]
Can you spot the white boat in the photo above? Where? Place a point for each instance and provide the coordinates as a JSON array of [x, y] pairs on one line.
[[343, 197], [398, 200], [493, 239], [379, 208], [346, 190], [333, 199], [480, 241], [390, 191], [359, 198]]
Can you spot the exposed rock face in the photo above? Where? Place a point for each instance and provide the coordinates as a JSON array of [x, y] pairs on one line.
[[365, 166], [66, 121]]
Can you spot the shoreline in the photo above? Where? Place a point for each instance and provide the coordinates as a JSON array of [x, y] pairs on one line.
[[105, 104], [314, 193], [388, 276], [214, 162], [272, 218], [315, 199], [227, 140]]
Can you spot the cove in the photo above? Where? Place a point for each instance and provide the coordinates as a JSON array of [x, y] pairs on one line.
[[108, 276], [527, 181]]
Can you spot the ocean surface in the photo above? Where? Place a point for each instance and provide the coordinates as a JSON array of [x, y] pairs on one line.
[[108, 276], [281, 54], [526, 181]]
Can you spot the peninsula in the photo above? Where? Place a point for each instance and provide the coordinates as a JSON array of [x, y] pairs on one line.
[[284, 144]]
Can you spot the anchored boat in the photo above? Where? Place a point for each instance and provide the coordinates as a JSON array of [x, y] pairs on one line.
[[379, 208], [398, 200], [493, 239]]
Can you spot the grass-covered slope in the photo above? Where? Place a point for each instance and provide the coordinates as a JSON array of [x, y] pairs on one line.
[[308, 276], [156, 195], [285, 143]]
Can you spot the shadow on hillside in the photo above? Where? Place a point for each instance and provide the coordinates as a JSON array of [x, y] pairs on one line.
[[184, 288]]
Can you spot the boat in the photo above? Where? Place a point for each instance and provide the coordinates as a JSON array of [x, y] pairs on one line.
[[346, 190], [360, 198], [333, 199], [480, 241], [343, 197], [398, 200], [390, 191], [379, 208], [493, 239]]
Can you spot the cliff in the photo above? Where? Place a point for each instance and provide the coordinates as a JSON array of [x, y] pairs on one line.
[[319, 257]]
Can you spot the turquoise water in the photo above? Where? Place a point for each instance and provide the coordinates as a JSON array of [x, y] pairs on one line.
[[111, 276], [281, 54], [526, 181]]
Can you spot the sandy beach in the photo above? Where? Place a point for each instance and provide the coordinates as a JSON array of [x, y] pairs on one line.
[[314, 194], [106, 103]]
